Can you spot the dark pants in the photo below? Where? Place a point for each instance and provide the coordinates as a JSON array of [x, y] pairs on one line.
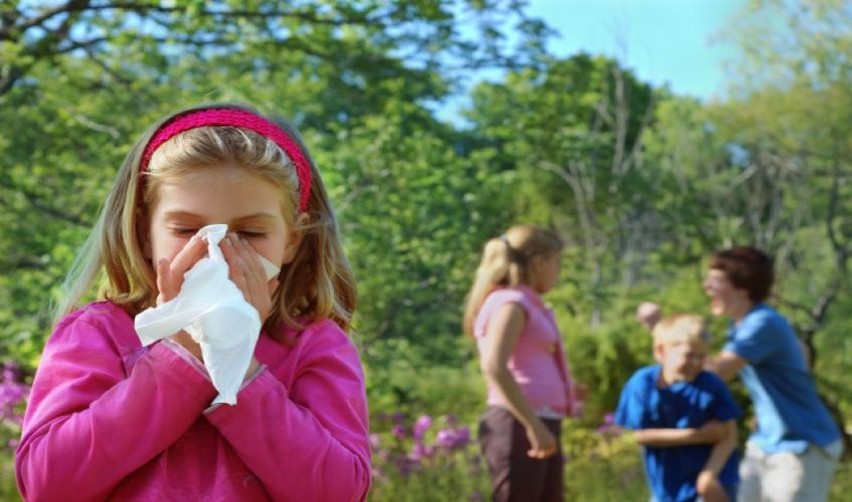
[[515, 477]]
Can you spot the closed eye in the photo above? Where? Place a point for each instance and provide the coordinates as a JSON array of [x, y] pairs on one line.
[[184, 231], [251, 235]]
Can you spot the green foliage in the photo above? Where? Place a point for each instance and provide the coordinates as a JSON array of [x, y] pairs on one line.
[[8, 485], [602, 467], [414, 215], [443, 473], [402, 380]]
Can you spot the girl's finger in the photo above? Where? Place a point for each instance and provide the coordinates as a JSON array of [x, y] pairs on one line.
[[187, 257], [253, 272], [236, 266], [164, 282], [255, 269]]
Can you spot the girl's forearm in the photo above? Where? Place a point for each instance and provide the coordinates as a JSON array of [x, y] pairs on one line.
[[518, 405], [77, 431], [320, 418]]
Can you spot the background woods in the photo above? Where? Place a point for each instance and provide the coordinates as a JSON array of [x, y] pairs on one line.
[[642, 182]]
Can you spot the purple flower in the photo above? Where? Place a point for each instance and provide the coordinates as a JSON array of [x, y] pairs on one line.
[[462, 436], [420, 451], [399, 431], [405, 465], [375, 441], [421, 426], [13, 393], [445, 437], [379, 475], [453, 437], [608, 426]]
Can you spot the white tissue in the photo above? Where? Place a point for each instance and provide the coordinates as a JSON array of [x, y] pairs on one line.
[[213, 311]]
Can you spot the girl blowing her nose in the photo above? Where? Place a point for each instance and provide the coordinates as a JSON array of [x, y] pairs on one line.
[[110, 419]]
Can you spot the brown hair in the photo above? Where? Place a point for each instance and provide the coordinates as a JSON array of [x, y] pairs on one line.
[[505, 262], [747, 268], [319, 282]]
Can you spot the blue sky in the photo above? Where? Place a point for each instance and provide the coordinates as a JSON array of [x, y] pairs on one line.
[[662, 41]]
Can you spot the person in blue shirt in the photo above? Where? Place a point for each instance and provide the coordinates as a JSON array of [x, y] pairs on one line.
[[794, 450], [683, 416]]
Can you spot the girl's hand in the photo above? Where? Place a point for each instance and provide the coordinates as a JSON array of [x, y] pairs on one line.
[[170, 272], [247, 273], [170, 279], [543, 441]]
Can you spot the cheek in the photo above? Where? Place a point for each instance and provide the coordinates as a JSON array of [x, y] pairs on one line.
[[272, 251], [168, 248]]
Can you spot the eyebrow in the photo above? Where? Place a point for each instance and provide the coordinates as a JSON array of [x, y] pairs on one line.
[[193, 216]]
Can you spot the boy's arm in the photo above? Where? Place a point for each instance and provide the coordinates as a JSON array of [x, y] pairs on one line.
[[711, 432], [726, 364], [648, 314], [707, 483]]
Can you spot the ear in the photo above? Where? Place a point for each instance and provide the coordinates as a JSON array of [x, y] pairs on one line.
[[294, 238], [659, 351], [535, 265], [143, 233]]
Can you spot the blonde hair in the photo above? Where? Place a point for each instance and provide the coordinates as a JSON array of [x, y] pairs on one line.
[[505, 262], [319, 282], [681, 328]]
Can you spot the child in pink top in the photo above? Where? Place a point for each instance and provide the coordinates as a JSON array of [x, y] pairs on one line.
[[109, 419], [522, 357]]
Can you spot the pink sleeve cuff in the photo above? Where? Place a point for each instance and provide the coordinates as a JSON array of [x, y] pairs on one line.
[[245, 384], [186, 355]]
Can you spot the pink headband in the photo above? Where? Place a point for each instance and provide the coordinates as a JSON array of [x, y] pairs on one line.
[[235, 118]]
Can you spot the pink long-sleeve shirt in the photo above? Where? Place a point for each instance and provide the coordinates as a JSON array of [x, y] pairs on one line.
[[110, 420]]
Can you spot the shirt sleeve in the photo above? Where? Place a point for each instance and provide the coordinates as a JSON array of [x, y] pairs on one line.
[[631, 410], [89, 424], [309, 441], [493, 302], [754, 339]]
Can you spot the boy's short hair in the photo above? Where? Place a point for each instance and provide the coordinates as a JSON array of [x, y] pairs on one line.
[[681, 328], [747, 268]]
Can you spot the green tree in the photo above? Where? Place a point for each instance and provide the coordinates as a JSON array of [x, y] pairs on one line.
[[572, 133]]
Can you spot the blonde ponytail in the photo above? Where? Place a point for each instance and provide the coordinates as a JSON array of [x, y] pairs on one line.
[[505, 264]]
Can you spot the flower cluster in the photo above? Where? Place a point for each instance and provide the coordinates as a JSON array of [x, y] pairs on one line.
[[13, 396], [412, 446], [425, 451]]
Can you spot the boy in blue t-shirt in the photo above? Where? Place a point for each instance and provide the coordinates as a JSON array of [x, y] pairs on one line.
[[683, 416]]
